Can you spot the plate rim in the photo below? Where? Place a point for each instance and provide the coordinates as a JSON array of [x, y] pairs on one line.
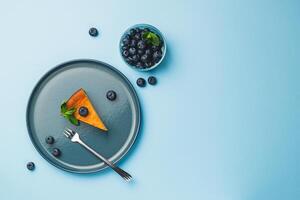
[[61, 66]]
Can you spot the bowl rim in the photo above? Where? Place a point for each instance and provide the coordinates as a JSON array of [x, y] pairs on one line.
[[144, 25]]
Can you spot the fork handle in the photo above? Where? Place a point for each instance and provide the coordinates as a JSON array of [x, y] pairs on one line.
[[121, 172]]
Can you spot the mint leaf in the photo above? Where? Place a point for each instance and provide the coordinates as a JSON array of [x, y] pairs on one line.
[[63, 107], [152, 38], [70, 111], [73, 120]]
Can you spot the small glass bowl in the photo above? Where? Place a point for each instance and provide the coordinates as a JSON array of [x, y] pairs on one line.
[[152, 29]]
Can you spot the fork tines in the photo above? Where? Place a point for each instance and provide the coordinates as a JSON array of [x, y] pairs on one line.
[[69, 133]]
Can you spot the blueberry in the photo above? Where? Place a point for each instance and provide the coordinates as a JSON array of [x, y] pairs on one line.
[[49, 140], [129, 61], [157, 56], [132, 31], [148, 52], [30, 166], [135, 58], [137, 36], [149, 64], [141, 44], [125, 47], [93, 32], [140, 52], [141, 82], [111, 95], [83, 111], [145, 30], [56, 152], [155, 48], [125, 53], [152, 80], [138, 30], [126, 41], [139, 65], [133, 43], [144, 58], [132, 51]]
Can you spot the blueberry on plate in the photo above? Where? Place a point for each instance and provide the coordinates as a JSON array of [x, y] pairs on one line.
[[141, 44], [132, 51], [125, 53], [83, 111], [49, 140], [152, 80], [141, 82], [93, 32], [111, 95], [30, 166], [133, 43], [56, 152]]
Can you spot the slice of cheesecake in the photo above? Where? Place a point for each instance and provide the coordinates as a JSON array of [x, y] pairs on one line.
[[85, 111]]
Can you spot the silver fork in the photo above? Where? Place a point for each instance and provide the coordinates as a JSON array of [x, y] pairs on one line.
[[74, 137]]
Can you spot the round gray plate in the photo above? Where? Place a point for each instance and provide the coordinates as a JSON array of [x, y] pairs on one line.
[[121, 117]]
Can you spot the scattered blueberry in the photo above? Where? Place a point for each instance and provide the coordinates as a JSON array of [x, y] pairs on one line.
[[93, 32], [83, 111], [152, 80], [30, 166], [56, 152], [49, 140], [141, 82], [111, 95]]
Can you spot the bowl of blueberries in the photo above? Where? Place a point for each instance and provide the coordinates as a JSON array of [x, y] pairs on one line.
[[143, 47]]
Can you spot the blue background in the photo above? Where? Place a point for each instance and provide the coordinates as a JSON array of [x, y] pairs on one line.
[[222, 123]]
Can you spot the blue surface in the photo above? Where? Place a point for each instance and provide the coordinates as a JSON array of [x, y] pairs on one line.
[[222, 123]]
